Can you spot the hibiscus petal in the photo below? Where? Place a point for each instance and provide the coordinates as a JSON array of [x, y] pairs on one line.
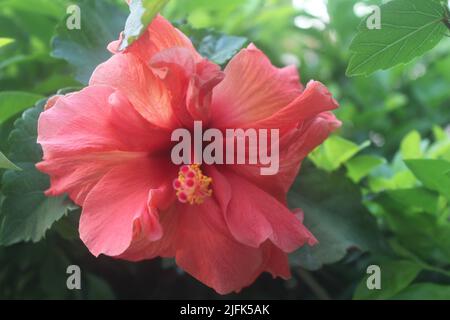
[[189, 82], [158, 198], [221, 188], [160, 35], [254, 216], [141, 248], [294, 147], [127, 122], [52, 101], [144, 90], [199, 94], [170, 54], [314, 99], [76, 122], [276, 260], [174, 67], [85, 134], [117, 201], [278, 263], [207, 251], [154, 233], [78, 174], [95, 119], [253, 89]]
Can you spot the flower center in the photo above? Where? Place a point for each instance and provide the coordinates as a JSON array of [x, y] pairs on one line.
[[192, 185]]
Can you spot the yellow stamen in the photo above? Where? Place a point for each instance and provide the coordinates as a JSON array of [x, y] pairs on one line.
[[192, 185]]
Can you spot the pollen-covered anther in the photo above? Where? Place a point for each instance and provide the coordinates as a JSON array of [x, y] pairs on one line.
[[192, 186]]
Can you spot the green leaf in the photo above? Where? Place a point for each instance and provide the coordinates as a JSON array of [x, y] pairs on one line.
[[101, 23], [441, 148], [13, 102], [334, 214], [424, 291], [5, 41], [35, 271], [415, 198], [50, 8], [439, 134], [396, 101], [217, 47], [359, 167], [395, 276], [67, 226], [410, 146], [142, 12], [400, 180], [403, 252], [409, 28], [334, 152], [425, 235], [26, 213], [98, 289], [434, 174], [6, 164], [220, 48]]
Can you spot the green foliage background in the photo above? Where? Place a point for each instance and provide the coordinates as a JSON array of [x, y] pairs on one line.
[[377, 192]]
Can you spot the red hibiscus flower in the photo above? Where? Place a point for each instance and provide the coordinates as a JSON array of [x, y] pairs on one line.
[[108, 147]]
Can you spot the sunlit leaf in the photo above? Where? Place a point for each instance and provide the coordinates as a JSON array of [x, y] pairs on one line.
[[13, 102], [7, 164], [433, 173], [5, 41], [334, 152], [360, 166], [142, 12], [409, 28], [410, 146]]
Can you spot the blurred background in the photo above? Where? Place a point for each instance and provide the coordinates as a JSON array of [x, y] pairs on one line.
[[361, 200]]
